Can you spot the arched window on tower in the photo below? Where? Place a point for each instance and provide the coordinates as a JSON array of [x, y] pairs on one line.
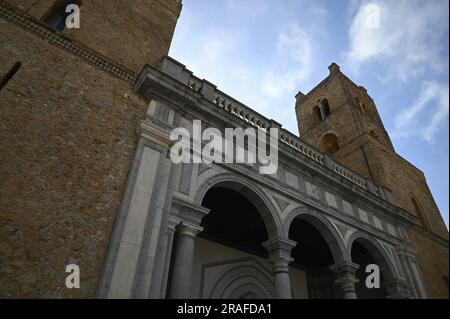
[[375, 135], [326, 107], [56, 16], [362, 107], [420, 215], [329, 143], [316, 115]]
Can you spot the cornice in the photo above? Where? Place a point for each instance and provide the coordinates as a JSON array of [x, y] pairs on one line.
[[54, 37]]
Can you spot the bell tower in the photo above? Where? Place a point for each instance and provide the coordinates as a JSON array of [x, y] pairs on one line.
[[341, 119]]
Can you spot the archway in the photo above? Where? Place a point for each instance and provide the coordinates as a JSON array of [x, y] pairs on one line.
[[234, 220], [240, 220], [326, 107], [329, 143], [365, 251], [316, 115], [318, 248], [251, 192]]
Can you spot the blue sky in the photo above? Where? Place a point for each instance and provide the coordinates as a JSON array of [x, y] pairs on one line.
[[262, 52]]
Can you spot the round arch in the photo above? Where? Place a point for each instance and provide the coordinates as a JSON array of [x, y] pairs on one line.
[[329, 143], [324, 227], [241, 280], [253, 193], [377, 251]]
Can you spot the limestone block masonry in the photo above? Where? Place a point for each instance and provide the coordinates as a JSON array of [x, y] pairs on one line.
[[68, 136]]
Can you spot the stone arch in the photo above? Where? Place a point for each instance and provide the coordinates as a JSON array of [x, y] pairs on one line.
[[240, 280], [334, 132], [324, 226], [249, 291], [326, 107], [316, 115], [329, 142], [252, 192], [363, 107], [383, 260]]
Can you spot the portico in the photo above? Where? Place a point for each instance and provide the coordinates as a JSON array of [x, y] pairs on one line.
[[223, 230]]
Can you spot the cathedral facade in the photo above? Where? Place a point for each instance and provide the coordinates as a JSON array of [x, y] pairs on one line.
[[87, 176]]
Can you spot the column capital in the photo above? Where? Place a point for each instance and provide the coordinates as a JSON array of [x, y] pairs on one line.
[[346, 278], [188, 212], [188, 230], [397, 289], [344, 268], [173, 223], [279, 248]]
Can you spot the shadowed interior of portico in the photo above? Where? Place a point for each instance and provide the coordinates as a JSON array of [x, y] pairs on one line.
[[362, 257], [312, 254], [239, 253], [235, 222]]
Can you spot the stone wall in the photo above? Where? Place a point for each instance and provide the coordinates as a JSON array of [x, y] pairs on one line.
[[432, 254], [433, 260], [132, 35], [68, 136], [389, 170]]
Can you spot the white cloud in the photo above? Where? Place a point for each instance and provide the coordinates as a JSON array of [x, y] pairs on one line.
[[408, 40], [217, 57], [262, 63], [294, 62], [426, 115]]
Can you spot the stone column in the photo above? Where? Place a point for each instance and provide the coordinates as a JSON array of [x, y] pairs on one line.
[[190, 216], [346, 278], [160, 276], [183, 259], [280, 256]]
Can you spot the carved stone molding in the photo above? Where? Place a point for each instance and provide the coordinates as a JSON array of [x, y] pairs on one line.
[[45, 32]]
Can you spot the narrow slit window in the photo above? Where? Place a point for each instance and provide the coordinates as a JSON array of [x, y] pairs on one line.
[[8, 76], [56, 16], [317, 116], [326, 107]]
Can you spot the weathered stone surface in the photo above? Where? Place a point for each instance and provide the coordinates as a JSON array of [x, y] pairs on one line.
[[68, 136], [433, 260], [132, 35]]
